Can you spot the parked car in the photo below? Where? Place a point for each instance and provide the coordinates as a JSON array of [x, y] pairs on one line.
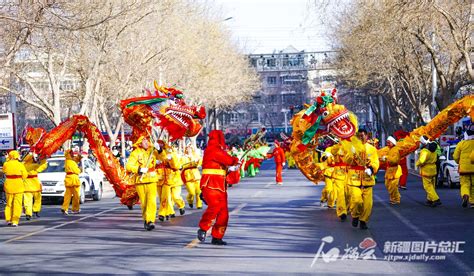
[[448, 167], [91, 178]]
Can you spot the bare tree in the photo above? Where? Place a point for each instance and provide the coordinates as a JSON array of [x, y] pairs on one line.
[[387, 48]]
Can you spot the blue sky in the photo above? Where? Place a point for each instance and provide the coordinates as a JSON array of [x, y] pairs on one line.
[[262, 26]]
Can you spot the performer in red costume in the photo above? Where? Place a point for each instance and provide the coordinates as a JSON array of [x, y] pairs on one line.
[[216, 161], [399, 135], [279, 156]]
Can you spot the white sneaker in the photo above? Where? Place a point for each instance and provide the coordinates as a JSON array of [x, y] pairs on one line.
[[14, 225], [76, 212], [280, 183]]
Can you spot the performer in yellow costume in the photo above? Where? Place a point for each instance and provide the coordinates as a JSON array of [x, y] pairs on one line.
[[393, 170], [72, 184], [341, 191], [141, 163], [33, 188], [328, 192], [163, 187], [364, 164], [175, 181], [427, 164], [15, 173], [192, 176], [461, 155]]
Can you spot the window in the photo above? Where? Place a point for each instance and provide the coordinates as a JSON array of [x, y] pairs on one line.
[[271, 80], [271, 62], [254, 116], [234, 118], [253, 61], [66, 85]]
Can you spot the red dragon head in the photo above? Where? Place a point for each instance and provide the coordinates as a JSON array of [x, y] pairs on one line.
[[168, 107]]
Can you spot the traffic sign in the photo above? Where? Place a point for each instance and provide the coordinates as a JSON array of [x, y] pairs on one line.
[[6, 143], [7, 132], [445, 140]]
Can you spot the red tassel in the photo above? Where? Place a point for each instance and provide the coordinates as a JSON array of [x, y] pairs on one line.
[[301, 147]]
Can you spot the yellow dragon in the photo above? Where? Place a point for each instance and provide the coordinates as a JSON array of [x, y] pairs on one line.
[[325, 117]]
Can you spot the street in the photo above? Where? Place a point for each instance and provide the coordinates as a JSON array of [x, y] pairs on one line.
[[273, 229]]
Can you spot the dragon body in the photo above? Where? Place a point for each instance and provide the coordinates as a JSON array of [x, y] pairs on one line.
[[164, 109], [327, 118]]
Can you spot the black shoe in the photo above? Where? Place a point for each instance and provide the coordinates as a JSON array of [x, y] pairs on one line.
[[182, 211], [145, 225], [191, 205], [230, 185], [218, 242], [28, 217], [355, 222], [343, 217], [150, 226], [465, 200], [161, 218], [130, 207], [363, 225], [201, 235], [173, 215], [429, 203], [37, 214], [167, 217], [437, 202], [403, 187], [199, 208], [64, 212]]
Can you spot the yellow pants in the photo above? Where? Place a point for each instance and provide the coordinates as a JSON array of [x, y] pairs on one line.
[[164, 192], [328, 193], [429, 186], [194, 191], [361, 203], [392, 188], [32, 202], [467, 186], [147, 194], [340, 195], [13, 208], [176, 196], [75, 193]]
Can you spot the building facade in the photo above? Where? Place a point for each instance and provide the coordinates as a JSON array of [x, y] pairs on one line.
[[290, 78]]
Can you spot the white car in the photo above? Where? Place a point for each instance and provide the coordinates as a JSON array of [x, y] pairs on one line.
[[91, 177], [448, 167]]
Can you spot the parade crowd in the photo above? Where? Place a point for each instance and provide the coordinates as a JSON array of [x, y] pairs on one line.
[[159, 169]]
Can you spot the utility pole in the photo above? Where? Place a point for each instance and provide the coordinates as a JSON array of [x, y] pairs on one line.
[[382, 119], [434, 82]]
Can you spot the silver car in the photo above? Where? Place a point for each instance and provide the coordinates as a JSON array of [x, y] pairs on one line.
[[91, 178], [448, 167]]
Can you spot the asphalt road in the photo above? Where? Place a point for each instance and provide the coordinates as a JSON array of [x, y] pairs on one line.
[[273, 229]]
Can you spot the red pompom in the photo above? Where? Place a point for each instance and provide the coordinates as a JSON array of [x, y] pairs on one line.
[[301, 147]]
